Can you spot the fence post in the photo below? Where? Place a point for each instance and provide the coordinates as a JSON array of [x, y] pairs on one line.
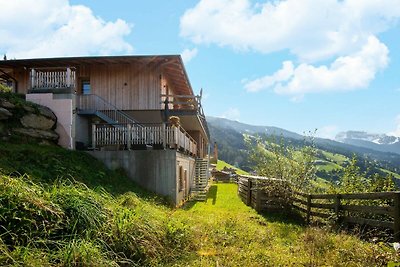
[[308, 208], [250, 184], [94, 136], [258, 207], [396, 228], [129, 136], [337, 207]]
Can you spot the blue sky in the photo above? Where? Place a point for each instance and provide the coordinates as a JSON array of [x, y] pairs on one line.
[[296, 64]]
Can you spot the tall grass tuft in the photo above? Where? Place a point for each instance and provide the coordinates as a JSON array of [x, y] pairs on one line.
[[25, 212], [84, 209]]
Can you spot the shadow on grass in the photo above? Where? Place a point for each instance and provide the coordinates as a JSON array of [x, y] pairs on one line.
[[212, 193], [290, 217]]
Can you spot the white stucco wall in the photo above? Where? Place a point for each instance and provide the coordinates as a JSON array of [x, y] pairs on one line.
[[62, 108]]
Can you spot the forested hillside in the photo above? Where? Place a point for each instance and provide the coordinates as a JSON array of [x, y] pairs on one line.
[[331, 156]]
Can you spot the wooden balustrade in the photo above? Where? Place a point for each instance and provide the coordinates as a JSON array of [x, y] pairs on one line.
[[52, 78], [128, 135], [180, 102]]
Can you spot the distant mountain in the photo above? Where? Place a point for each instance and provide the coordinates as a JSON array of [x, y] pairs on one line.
[[243, 128], [231, 147], [379, 142]]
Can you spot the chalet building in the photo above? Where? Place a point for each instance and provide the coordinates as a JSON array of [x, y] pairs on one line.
[[138, 113]]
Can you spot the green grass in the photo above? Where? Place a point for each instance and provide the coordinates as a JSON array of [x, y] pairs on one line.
[[395, 175], [63, 208], [221, 164], [328, 166], [228, 233], [337, 158], [45, 164]]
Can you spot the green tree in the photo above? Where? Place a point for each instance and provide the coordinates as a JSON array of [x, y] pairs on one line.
[[354, 180], [276, 159], [4, 88]]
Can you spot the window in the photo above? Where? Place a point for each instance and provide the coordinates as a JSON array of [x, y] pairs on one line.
[[86, 90], [181, 179]]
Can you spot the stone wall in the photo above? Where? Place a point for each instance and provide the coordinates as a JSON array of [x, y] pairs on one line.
[[26, 121]]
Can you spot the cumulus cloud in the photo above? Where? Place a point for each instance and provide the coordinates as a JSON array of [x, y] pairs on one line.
[[396, 132], [310, 29], [350, 72], [328, 131], [189, 54], [231, 114], [45, 28], [342, 35]]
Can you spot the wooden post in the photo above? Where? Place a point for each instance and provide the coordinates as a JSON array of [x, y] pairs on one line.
[[94, 136], [68, 82], [163, 135], [33, 78], [396, 228], [129, 136], [250, 184], [337, 208], [308, 208], [258, 207]]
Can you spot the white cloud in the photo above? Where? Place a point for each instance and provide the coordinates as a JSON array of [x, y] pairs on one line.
[[328, 131], [45, 28], [285, 73], [231, 113], [396, 132], [334, 42], [350, 72], [189, 54], [310, 29]]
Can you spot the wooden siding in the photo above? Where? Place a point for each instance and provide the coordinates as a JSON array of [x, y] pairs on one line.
[[22, 76], [127, 86]]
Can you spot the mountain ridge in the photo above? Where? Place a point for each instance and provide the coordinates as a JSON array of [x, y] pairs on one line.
[[379, 142], [229, 136]]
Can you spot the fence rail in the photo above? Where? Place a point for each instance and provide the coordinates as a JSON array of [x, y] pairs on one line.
[[381, 209], [128, 135]]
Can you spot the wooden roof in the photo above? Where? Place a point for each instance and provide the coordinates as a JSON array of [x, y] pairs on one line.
[[172, 66]]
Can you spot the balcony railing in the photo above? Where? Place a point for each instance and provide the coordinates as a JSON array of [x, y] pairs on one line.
[[53, 78], [180, 102], [127, 136], [185, 103]]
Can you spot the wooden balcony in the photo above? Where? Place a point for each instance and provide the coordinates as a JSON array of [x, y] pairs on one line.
[[142, 136], [184, 105], [56, 80]]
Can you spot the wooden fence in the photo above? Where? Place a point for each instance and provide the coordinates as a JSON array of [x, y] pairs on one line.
[[255, 192], [380, 210]]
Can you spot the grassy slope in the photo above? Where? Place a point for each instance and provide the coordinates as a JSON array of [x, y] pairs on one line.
[[221, 164], [64, 208], [47, 220], [337, 158], [228, 233]]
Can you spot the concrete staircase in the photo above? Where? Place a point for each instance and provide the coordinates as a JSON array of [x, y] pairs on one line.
[[200, 182]]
